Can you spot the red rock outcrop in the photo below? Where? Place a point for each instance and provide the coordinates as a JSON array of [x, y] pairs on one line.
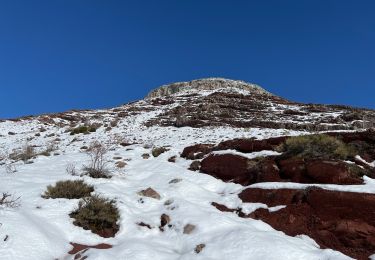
[[251, 145], [197, 151], [227, 167], [342, 221], [320, 171], [244, 171]]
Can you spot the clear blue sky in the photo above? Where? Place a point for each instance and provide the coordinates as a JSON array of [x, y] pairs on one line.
[[61, 54]]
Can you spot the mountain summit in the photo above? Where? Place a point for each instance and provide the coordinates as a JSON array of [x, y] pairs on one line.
[[221, 166], [208, 84]]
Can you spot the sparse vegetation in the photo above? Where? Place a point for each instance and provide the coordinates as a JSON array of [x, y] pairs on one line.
[[10, 168], [84, 129], [71, 169], [317, 146], [51, 147], [97, 167], [8, 201], [158, 151], [68, 189], [97, 214], [25, 153]]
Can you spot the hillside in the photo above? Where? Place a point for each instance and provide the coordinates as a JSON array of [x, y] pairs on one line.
[[206, 169]]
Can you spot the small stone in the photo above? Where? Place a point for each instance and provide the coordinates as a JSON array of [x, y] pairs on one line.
[[199, 248], [120, 164], [164, 220], [174, 181], [145, 156], [172, 159], [151, 193], [142, 224], [168, 202], [189, 228], [195, 166]]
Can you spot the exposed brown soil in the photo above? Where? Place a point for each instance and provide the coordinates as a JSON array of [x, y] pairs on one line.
[[79, 249]]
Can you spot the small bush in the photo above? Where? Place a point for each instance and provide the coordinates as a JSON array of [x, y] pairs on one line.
[[71, 169], [51, 147], [317, 146], [158, 151], [83, 130], [97, 168], [26, 153], [97, 214], [96, 173], [68, 189], [8, 201], [10, 168]]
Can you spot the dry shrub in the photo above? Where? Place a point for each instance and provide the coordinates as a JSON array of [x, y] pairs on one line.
[[97, 168], [84, 129], [68, 189], [10, 168], [317, 146], [71, 169], [158, 151], [25, 153], [50, 147], [97, 214], [8, 201]]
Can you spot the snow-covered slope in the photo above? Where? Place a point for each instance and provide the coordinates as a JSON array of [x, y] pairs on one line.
[[42, 229]]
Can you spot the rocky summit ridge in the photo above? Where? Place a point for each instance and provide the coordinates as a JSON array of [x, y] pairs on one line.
[[207, 84]]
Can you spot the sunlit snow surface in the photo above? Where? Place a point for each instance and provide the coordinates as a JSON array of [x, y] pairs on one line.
[[42, 229]]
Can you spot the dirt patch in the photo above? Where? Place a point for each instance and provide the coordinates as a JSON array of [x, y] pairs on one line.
[[78, 249]]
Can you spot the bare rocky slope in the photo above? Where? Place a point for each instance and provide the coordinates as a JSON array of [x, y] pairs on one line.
[[220, 166]]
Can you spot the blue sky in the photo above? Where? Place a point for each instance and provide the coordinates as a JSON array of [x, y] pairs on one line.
[[56, 55]]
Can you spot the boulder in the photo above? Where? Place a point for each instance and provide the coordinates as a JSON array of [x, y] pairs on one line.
[[196, 151], [251, 145], [320, 171], [239, 169], [149, 192], [335, 172], [195, 166], [227, 167]]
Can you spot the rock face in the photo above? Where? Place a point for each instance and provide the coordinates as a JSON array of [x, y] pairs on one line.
[[251, 145], [239, 169], [196, 151], [227, 167], [207, 84], [343, 221], [320, 171], [244, 171]]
